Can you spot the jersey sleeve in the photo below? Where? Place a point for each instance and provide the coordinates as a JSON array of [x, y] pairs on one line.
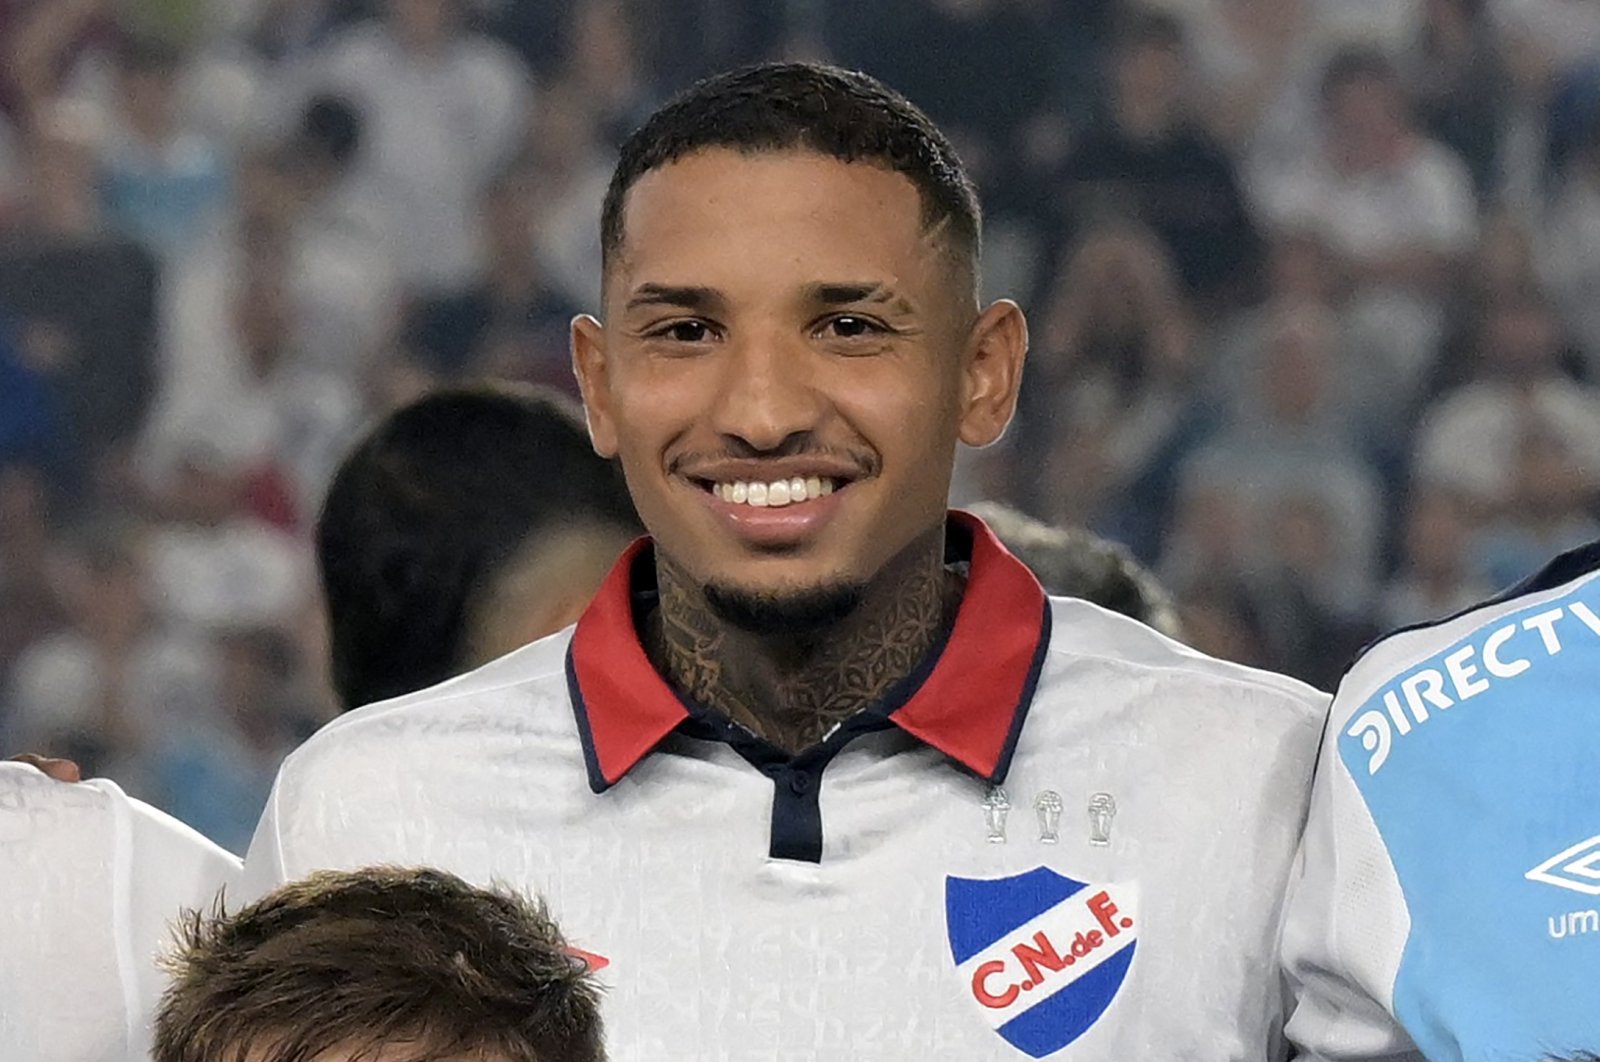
[[173, 870], [264, 868], [1345, 925]]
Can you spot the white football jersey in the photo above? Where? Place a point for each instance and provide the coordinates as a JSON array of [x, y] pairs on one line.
[[1447, 902], [90, 880], [1065, 836]]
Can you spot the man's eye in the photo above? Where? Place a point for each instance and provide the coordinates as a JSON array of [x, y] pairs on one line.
[[848, 326], [684, 332]]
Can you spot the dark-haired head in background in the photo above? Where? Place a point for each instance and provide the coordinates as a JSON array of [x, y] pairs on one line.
[[1072, 562], [464, 525], [378, 965]]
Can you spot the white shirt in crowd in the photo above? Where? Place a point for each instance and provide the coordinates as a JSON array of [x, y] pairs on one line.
[[435, 130], [1068, 837], [1424, 203], [1469, 440], [90, 881]]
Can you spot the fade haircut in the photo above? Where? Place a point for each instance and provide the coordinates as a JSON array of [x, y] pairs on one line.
[[356, 962], [813, 107], [430, 507]]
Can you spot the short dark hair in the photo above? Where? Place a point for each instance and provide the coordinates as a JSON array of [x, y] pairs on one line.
[[1072, 562], [354, 960], [803, 106], [331, 126], [1354, 64], [429, 507]]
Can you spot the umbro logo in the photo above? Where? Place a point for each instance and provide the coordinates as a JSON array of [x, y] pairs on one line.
[[1576, 868]]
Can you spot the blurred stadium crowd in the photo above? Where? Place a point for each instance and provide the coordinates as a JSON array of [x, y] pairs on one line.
[[1314, 284]]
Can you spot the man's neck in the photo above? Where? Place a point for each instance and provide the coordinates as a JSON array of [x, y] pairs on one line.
[[792, 689]]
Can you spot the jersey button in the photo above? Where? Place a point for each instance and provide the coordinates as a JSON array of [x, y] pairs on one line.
[[800, 782]]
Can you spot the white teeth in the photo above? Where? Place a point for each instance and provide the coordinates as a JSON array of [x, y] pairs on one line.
[[776, 494]]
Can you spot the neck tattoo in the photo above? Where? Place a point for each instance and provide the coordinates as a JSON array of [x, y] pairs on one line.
[[791, 690]]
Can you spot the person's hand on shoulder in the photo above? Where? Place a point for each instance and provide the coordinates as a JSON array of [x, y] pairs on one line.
[[59, 769]]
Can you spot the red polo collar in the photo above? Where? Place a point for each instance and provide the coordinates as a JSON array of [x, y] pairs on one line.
[[970, 705]]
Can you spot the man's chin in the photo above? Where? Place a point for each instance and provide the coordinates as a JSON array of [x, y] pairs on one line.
[[790, 610]]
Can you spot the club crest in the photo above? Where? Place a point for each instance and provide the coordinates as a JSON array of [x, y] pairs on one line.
[[1042, 956]]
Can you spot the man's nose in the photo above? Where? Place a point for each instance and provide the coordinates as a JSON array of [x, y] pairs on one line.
[[768, 395]]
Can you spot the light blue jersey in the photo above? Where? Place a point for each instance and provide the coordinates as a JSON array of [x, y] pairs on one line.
[[1446, 904]]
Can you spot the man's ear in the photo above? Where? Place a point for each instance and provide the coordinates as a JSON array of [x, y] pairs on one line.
[[589, 366], [996, 349]]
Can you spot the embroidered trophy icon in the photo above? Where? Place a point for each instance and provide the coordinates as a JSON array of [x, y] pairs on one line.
[[1102, 809], [1048, 806], [995, 807]]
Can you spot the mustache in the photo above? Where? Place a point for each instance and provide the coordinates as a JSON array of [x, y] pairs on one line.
[[866, 460]]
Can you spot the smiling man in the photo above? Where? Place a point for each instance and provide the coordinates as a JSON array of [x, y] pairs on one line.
[[821, 771]]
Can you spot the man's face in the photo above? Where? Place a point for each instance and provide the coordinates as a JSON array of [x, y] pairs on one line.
[[782, 326]]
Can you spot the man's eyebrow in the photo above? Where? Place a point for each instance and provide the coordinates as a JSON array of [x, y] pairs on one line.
[[845, 294], [684, 297]]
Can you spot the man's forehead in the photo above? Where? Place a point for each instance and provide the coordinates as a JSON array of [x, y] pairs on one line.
[[721, 216]]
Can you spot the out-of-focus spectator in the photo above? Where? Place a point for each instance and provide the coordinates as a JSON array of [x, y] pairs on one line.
[[162, 184], [1110, 379], [274, 415], [981, 68], [1282, 504], [1501, 270], [341, 282], [1434, 578], [568, 166], [42, 47], [1569, 252], [1211, 531], [443, 110], [213, 562], [80, 298], [604, 66], [216, 772], [32, 427], [1470, 438], [1397, 207], [510, 325], [1456, 77], [1149, 160], [1249, 59], [1293, 395], [299, 207], [29, 604], [1314, 590], [101, 690], [1546, 39], [1548, 509]]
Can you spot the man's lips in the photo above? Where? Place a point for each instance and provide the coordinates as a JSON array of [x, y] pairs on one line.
[[775, 513]]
